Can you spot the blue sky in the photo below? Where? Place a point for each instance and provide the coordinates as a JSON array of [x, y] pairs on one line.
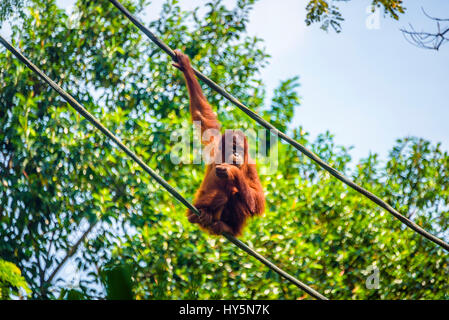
[[368, 87]]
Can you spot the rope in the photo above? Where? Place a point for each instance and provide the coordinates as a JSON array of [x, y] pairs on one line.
[[81, 110], [284, 137]]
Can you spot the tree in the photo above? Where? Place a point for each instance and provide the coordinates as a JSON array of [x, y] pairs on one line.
[[62, 183]]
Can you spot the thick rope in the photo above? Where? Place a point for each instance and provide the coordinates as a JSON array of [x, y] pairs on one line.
[[80, 109], [283, 136]]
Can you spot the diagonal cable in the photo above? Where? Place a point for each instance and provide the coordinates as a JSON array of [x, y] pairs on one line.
[[81, 110]]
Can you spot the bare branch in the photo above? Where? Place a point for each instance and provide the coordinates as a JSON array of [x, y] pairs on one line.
[[70, 252]]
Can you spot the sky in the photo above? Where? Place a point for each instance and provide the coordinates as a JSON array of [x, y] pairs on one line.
[[367, 86]]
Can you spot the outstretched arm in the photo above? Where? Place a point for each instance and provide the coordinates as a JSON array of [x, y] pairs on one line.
[[200, 109]]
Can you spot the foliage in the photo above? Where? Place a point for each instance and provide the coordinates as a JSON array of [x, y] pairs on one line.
[[59, 176], [11, 281], [325, 12], [328, 14]]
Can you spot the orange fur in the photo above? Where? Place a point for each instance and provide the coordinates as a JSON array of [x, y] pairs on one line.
[[231, 191]]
